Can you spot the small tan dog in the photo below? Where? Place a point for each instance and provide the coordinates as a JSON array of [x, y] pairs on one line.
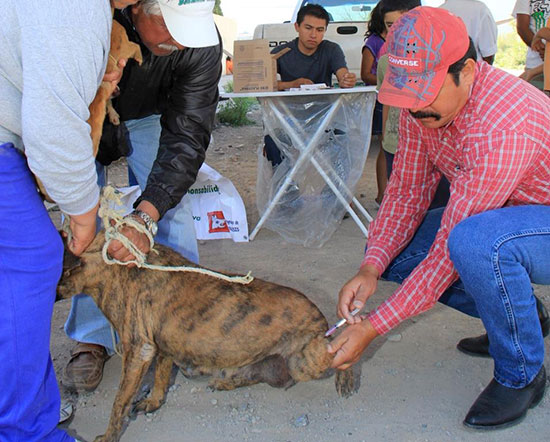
[[121, 48], [239, 334]]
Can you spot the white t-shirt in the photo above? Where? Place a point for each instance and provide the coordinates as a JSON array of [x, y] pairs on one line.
[[539, 11], [479, 22]]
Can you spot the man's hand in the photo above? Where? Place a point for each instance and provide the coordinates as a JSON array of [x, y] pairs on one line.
[[285, 85], [348, 80], [351, 343], [299, 81], [537, 44], [115, 75], [83, 228], [117, 251], [120, 4], [356, 292], [529, 74]]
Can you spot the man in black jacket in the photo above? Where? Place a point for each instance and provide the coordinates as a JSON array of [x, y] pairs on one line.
[[168, 105]]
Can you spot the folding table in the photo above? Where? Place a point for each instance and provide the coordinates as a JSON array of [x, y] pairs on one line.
[[309, 119]]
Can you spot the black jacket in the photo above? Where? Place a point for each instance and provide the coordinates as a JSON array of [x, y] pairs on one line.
[[183, 89]]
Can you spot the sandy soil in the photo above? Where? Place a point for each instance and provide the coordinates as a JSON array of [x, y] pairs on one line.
[[415, 386]]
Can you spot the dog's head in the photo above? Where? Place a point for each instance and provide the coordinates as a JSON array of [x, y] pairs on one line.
[[74, 276]]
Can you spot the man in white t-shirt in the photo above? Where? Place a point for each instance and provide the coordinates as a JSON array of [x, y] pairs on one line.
[[531, 15], [480, 24]]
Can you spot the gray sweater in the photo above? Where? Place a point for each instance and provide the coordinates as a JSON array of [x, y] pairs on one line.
[[52, 59]]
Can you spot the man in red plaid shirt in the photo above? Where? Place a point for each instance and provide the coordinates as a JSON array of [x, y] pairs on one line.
[[488, 133]]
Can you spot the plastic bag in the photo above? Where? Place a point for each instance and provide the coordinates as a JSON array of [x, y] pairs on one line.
[[309, 212], [218, 209]]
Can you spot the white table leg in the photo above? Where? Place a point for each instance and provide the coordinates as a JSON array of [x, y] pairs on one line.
[[301, 159], [306, 148]]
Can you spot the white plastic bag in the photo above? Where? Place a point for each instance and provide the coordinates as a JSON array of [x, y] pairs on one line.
[[218, 209]]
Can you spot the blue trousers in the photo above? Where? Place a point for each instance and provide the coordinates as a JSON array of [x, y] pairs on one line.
[[498, 255], [86, 323], [31, 254]]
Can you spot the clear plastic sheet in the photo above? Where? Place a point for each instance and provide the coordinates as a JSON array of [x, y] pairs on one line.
[[308, 211]]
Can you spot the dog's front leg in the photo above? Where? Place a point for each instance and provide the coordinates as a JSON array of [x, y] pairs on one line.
[[163, 370], [135, 363]]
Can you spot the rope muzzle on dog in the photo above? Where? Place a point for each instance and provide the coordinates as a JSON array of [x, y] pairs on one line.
[[110, 196]]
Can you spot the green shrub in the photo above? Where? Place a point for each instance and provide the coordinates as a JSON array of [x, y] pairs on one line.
[[511, 51], [234, 110]]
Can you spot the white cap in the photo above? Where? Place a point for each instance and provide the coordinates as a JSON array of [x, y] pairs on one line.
[[190, 22]]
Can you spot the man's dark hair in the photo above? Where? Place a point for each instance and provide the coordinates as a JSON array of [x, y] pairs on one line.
[[398, 5], [312, 9], [457, 66]]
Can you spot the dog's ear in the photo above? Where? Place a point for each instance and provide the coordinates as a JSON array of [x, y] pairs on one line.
[[71, 262]]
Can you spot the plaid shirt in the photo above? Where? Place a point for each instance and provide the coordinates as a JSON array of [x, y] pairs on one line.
[[495, 153]]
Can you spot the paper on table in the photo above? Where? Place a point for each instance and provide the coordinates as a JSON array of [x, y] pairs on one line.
[[309, 87]]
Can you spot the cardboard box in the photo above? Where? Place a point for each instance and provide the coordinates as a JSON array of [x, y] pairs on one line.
[[254, 68]]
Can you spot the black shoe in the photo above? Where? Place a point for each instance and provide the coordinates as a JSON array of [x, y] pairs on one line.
[[479, 345], [499, 407]]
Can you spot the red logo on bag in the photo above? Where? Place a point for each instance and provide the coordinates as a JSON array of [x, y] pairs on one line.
[[216, 222]]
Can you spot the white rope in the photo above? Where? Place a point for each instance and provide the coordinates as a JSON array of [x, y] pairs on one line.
[[107, 213]]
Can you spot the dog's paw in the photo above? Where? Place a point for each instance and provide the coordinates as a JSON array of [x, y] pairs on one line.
[[114, 118], [147, 406], [219, 384], [345, 382], [105, 438]]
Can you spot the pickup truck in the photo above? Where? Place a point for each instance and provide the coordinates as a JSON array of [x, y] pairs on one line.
[[347, 27]]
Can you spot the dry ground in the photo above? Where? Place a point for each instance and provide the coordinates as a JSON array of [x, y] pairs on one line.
[[415, 386]]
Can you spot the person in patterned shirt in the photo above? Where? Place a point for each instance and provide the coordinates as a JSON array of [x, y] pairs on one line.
[[487, 133]]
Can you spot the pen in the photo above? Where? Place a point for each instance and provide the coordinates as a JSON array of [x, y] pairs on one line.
[[340, 323]]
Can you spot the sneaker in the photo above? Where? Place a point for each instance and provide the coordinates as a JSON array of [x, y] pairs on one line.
[[66, 411]]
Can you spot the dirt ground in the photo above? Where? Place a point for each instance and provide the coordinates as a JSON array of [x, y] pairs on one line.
[[415, 385]]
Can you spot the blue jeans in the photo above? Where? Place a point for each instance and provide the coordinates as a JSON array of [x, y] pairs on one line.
[[31, 254], [86, 322], [498, 255]]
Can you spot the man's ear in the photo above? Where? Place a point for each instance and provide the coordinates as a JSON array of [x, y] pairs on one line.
[[296, 26], [467, 74]]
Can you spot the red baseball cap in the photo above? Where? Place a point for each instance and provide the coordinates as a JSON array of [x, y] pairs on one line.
[[421, 45]]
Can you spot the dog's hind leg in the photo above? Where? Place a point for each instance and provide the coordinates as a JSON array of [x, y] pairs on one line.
[[311, 362], [163, 369], [272, 370], [135, 362]]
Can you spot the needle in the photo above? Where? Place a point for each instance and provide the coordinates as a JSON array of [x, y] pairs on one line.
[[340, 323]]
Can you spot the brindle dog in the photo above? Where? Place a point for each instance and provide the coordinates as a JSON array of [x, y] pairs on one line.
[[239, 334]]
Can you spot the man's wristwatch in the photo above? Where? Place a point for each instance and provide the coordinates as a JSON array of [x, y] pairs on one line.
[[150, 223]]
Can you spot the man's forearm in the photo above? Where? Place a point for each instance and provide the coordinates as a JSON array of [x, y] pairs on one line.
[[522, 27], [284, 85]]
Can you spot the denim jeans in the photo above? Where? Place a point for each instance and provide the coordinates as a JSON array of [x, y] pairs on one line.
[[176, 229], [31, 254], [498, 254]]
